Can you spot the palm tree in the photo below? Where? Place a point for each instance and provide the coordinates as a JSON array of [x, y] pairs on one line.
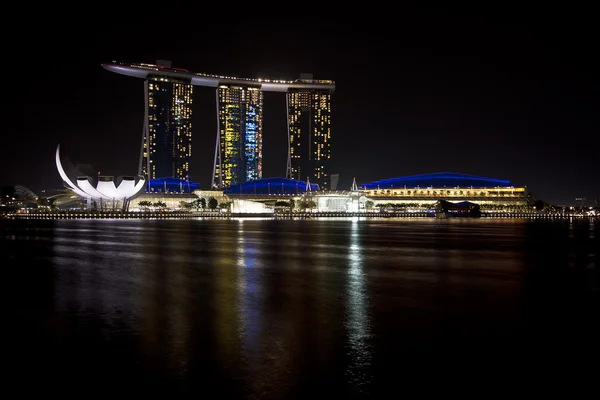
[[212, 203], [303, 205], [198, 204], [160, 204], [369, 205], [226, 205]]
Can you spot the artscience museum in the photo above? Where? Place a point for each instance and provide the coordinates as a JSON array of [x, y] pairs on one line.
[[101, 192]]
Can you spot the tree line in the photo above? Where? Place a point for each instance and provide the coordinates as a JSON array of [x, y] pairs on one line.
[[296, 204], [197, 204]]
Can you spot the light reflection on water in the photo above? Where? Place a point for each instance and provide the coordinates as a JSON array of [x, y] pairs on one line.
[[358, 320], [249, 284], [286, 309]]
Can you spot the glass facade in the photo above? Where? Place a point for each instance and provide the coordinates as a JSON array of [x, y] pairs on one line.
[[167, 149], [167, 144], [172, 185], [239, 157], [271, 186], [309, 119]]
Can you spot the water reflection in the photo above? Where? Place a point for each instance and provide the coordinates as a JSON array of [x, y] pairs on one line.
[[88, 260], [225, 301], [357, 320], [179, 299], [294, 309], [250, 288], [262, 326]]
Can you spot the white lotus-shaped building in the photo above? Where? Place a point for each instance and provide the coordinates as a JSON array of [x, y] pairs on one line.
[[104, 190]]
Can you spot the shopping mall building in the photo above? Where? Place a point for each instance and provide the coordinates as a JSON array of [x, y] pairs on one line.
[[426, 189]]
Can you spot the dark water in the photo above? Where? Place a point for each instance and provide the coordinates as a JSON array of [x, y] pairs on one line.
[[299, 309]]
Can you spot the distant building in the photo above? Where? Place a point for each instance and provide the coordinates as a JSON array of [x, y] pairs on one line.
[[427, 189], [17, 197], [167, 140], [238, 155], [309, 125], [335, 178]]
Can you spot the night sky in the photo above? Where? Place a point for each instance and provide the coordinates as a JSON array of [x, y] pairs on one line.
[[509, 94]]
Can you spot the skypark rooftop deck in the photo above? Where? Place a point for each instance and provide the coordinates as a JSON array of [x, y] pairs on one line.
[[199, 79]]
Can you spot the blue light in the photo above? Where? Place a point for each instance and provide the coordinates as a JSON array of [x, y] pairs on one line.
[[439, 179], [250, 143], [170, 184], [271, 186]]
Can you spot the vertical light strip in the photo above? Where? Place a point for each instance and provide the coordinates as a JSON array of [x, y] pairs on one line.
[[217, 147], [144, 127], [147, 135], [288, 171]]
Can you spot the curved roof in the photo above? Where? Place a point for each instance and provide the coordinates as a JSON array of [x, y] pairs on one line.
[[100, 187], [170, 184], [25, 193], [438, 179], [197, 79], [271, 186]]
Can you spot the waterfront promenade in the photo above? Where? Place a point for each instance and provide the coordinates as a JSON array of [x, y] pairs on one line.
[[277, 215]]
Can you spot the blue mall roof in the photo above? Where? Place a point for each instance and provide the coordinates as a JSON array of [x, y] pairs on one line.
[[170, 184], [438, 179], [271, 186]]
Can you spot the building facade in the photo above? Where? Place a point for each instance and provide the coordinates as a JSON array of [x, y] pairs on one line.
[[309, 126], [167, 140], [238, 153], [99, 191], [238, 157], [426, 190]]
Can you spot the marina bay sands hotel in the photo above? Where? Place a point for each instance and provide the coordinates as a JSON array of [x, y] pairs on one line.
[[167, 134]]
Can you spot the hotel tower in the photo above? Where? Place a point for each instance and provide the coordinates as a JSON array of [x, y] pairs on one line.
[[167, 137], [309, 127], [167, 141], [238, 152]]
